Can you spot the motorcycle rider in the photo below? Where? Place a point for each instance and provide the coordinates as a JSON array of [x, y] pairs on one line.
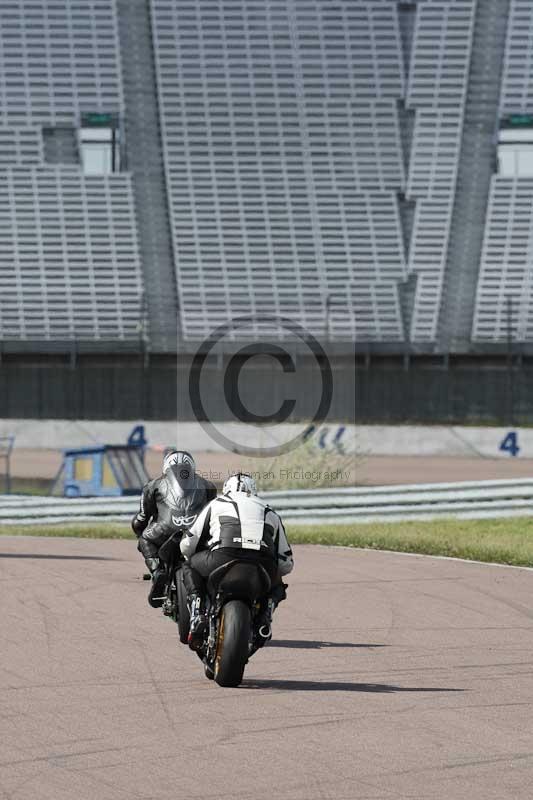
[[168, 503], [239, 525]]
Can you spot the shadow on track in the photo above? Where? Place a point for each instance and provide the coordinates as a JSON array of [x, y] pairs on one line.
[[337, 686], [309, 644], [51, 556]]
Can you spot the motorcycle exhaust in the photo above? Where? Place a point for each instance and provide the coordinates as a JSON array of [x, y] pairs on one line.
[[265, 631]]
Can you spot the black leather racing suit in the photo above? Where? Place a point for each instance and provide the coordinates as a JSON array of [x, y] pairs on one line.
[[168, 504]]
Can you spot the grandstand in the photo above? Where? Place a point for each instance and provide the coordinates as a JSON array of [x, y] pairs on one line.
[[167, 165]]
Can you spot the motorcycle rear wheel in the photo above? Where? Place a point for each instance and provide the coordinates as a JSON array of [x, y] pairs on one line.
[[232, 643]]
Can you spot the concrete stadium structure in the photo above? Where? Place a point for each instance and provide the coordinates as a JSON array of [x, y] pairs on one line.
[[167, 166]]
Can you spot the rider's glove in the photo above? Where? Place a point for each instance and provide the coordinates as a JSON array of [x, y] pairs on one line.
[[136, 526]]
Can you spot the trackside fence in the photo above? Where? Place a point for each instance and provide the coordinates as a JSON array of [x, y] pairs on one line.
[[483, 499]]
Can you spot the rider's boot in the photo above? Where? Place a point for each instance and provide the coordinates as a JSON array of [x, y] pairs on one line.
[[156, 595], [198, 621]]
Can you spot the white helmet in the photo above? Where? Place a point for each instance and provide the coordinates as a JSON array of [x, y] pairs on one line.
[[240, 482]]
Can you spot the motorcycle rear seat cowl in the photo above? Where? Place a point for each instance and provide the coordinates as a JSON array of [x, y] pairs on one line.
[[238, 578]]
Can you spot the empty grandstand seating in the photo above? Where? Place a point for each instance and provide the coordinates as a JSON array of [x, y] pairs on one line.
[[20, 145], [69, 262], [504, 291], [373, 313], [283, 147], [429, 244], [67, 256], [434, 153], [517, 82], [283, 159], [307, 153], [57, 60], [440, 55]]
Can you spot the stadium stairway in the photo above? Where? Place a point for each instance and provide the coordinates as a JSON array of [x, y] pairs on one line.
[[476, 166], [145, 161]]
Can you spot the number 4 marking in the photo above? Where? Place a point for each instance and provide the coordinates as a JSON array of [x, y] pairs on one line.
[[510, 444]]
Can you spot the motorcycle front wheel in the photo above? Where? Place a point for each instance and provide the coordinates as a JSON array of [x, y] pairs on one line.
[[232, 643]]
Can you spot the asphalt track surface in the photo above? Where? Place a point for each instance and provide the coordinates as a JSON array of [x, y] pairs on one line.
[[390, 677]]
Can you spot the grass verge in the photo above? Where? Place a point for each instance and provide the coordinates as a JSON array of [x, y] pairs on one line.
[[503, 541], [106, 530]]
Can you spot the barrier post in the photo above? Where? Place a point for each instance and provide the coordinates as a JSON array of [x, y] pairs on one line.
[[6, 446]]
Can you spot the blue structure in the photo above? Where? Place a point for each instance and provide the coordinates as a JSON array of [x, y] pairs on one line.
[[103, 471]]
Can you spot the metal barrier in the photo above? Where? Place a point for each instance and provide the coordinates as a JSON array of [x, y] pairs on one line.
[[6, 447], [482, 499]]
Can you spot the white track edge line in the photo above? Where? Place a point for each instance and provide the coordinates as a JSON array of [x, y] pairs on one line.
[[425, 555]]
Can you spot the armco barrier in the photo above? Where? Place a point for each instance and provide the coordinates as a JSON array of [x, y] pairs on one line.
[[483, 499]]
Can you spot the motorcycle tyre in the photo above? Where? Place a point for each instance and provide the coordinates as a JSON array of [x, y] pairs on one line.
[[232, 643]]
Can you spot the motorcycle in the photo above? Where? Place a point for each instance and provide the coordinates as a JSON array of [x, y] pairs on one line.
[[175, 603], [236, 593], [238, 612]]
